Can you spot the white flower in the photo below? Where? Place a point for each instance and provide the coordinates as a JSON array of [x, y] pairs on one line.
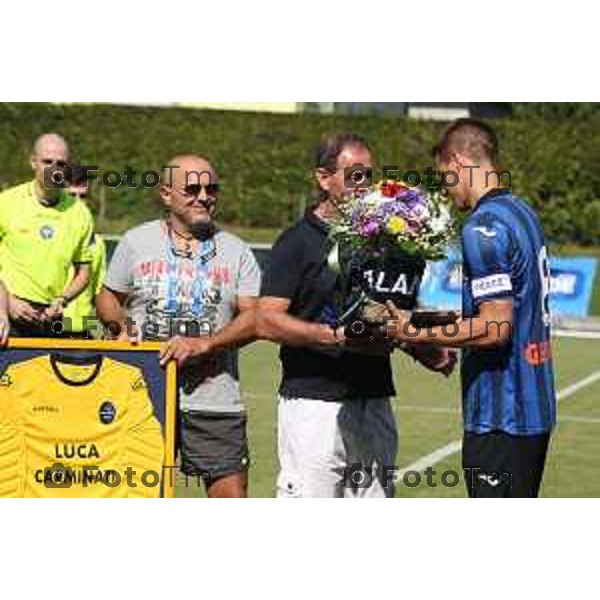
[[442, 221]]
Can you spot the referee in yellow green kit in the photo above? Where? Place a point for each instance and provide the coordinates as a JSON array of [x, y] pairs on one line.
[[45, 237]]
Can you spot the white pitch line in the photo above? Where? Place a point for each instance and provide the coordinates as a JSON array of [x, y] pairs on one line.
[[582, 420], [586, 335], [435, 458], [577, 387]]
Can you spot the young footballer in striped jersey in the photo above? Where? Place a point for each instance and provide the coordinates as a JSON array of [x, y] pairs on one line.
[[508, 382]]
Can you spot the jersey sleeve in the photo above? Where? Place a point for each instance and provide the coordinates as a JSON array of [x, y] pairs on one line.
[[84, 250], [249, 276], [145, 443], [283, 276], [119, 276], [487, 253]]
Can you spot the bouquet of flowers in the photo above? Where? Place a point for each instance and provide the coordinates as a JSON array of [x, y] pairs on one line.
[[382, 240]]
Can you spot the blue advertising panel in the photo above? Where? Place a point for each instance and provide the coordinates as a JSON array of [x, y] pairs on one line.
[[571, 288]]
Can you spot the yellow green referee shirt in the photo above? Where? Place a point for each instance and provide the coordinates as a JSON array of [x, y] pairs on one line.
[[39, 244]]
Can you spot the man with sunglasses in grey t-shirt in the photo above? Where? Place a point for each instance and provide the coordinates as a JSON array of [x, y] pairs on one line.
[[183, 281]]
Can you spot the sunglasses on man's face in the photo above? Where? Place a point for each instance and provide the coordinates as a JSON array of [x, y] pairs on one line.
[[193, 191], [49, 162]]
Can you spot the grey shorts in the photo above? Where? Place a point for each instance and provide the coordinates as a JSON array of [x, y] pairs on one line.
[[213, 445]]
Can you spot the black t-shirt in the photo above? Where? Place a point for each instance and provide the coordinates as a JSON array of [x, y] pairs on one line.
[[299, 271]]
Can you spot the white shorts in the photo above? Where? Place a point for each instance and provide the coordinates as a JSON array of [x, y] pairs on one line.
[[322, 445]]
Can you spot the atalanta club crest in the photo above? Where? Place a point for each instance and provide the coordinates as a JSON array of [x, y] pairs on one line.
[[107, 413], [47, 232]]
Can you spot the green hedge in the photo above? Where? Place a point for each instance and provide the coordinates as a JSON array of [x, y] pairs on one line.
[[264, 160]]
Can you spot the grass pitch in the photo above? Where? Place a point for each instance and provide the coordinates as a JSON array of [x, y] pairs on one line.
[[428, 413]]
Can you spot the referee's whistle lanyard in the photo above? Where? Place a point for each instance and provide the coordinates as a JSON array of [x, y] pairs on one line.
[[199, 287]]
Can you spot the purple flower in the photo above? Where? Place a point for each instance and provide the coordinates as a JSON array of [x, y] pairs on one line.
[[389, 209], [371, 228], [412, 199]]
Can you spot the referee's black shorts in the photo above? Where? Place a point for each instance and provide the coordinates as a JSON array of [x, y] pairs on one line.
[[499, 465]]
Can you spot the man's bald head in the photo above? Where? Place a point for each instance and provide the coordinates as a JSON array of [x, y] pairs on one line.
[[50, 153], [190, 191], [51, 146], [188, 169]]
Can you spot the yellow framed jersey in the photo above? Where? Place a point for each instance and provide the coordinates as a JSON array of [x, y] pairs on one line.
[[39, 244], [84, 424]]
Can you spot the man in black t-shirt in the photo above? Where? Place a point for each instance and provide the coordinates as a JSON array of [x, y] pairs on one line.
[[337, 430]]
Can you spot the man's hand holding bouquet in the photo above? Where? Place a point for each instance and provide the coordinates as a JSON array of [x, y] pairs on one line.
[[381, 242]]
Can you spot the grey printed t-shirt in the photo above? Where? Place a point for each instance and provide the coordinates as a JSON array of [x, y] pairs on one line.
[[172, 291]]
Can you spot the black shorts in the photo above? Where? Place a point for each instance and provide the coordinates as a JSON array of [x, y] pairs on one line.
[[499, 465], [213, 445]]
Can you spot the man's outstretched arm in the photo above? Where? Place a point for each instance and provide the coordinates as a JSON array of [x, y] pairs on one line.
[[492, 328], [275, 324]]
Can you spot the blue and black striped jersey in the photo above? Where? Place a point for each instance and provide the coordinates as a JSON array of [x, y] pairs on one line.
[[510, 389]]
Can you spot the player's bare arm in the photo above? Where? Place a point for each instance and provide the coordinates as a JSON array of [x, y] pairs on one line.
[[275, 324], [492, 328], [239, 333], [81, 279], [109, 307]]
